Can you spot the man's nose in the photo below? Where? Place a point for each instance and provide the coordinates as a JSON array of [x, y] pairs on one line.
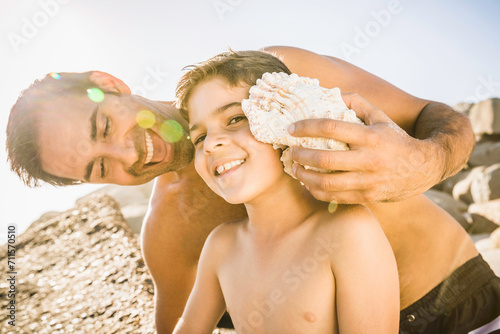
[[123, 151]]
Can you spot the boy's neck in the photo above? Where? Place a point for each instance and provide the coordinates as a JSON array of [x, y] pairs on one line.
[[281, 210]]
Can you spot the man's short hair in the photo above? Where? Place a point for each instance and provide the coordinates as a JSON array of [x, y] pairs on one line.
[[23, 149], [235, 67]]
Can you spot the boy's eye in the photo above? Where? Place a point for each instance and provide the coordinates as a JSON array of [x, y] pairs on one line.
[[199, 139], [237, 119]]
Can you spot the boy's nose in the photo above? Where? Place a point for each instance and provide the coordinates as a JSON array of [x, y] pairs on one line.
[[214, 143]]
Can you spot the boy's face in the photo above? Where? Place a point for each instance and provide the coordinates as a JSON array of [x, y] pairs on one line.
[[227, 156]]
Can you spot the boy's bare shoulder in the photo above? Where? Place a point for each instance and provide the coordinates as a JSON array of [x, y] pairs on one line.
[[353, 232], [349, 224], [224, 236], [350, 217]]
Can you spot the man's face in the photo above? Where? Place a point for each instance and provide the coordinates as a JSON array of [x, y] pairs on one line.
[[124, 139]]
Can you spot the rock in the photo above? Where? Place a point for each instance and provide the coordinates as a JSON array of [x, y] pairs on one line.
[[489, 210], [485, 154], [461, 190], [133, 201], [485, 217], [463, 107], [481, 225], [495, 238], [485, 244], [448, 184], [485, 186], [493, 259], [455, 208], [134, 214], [81, 271], [485, 117]]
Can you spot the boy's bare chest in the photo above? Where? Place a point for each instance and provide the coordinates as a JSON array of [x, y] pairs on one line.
[[279, 289]]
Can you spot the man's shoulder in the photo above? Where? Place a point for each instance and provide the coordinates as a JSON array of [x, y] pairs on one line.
[[175, 184]]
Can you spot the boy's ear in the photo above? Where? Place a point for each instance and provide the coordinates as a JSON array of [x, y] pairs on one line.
[[109, 82]]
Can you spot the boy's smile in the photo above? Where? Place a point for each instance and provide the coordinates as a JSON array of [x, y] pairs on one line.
[[227, 156]]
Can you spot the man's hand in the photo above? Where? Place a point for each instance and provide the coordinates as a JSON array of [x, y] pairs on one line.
[[383, 164]]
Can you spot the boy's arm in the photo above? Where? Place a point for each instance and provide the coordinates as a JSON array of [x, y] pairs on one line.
[[205, 305], [441, 143], [366, 276]]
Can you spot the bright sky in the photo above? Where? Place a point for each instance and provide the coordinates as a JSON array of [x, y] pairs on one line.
[[446, 51]]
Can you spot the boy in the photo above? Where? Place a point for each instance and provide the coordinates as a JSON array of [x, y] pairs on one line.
[[292, 266]]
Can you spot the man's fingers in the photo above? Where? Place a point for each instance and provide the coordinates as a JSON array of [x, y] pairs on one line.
[[351, 160], [366, 111], [335, 181], [339, 187], [329, 128]]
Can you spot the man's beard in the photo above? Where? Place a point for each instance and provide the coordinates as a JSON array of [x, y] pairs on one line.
[[183, 148]]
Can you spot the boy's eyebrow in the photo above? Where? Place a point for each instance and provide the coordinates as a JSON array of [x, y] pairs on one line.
[[218, 111]]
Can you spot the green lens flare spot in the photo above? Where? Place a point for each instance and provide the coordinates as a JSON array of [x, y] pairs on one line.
[[332, 207], [145, 119], [95, 94], [171, 131], [55, 75]]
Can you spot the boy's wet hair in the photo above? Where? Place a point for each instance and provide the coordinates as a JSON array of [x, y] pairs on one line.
[[234, 67]]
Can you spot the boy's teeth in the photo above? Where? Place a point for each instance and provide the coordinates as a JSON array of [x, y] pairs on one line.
[[228, 165], [149, 148]]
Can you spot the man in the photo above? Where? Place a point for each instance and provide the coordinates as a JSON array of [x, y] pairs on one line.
[[68, 131]]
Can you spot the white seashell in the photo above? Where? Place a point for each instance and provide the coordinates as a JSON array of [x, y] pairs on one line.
[[278, 100]]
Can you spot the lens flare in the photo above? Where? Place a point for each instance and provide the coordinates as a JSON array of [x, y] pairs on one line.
[[171, 131], [95, 94], [55, 75], [145, 119], [332, 207]]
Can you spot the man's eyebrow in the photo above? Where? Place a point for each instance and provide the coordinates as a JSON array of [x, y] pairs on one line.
[[93, 135], [88, 170], [93, 126], [218, 111]]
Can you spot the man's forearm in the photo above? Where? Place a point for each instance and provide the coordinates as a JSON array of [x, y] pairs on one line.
[[450, 131]]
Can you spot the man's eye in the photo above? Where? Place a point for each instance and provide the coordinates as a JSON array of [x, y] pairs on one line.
[[106, 128], [237, 119], [102, 169], [199, 139]]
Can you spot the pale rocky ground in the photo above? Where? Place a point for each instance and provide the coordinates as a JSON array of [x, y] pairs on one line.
[[81, 271], [473, 195]]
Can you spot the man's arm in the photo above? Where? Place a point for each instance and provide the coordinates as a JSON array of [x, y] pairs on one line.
[[395, 166], [171, 263], [205, 305]]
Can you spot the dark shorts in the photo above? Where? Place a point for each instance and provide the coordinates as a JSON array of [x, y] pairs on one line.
[[468, 301]]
